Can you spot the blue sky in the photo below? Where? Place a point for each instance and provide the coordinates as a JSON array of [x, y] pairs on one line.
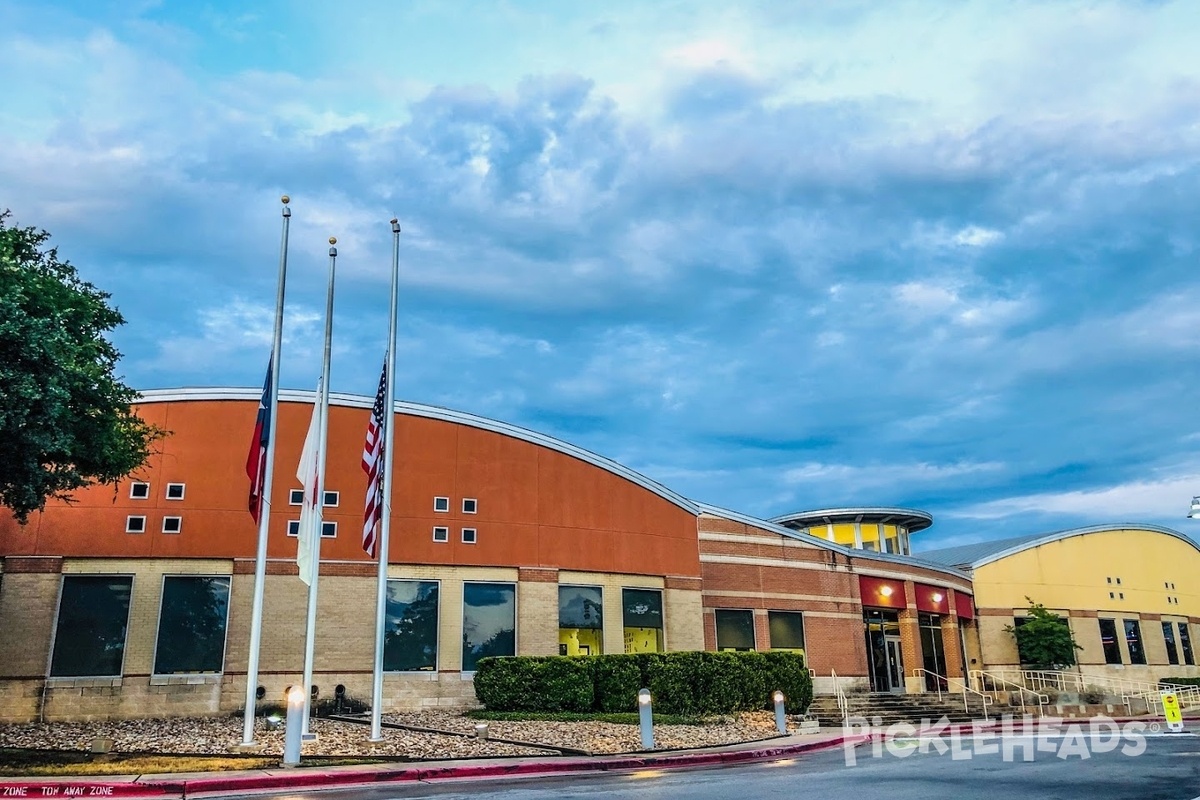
[[778, 256]]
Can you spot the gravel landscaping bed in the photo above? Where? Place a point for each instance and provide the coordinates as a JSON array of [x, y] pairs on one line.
[[601, 737], [217, 735]]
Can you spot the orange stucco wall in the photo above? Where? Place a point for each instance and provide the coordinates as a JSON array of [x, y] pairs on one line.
[[537, 506]]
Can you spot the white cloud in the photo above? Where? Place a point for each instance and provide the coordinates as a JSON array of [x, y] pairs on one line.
[[1156, 499]]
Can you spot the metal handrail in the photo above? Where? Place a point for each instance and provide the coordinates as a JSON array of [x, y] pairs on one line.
[[842, 701], [1127, 688], [1041, 699], [921, 672]]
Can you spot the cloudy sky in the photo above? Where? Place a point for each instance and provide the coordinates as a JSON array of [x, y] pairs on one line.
[[777, 256]]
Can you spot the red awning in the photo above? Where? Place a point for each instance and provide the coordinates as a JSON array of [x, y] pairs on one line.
[[965, 605], [933, 599], [882, 592]]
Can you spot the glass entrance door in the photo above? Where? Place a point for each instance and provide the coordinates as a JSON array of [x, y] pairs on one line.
[[884, 658]]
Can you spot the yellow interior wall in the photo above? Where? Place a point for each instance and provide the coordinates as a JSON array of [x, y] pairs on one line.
[[1071, 574], [843, 533], [574, 637], [643, 640]]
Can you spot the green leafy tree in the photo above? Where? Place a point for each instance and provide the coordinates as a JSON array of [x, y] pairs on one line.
[[65, 419], [1044, 639]]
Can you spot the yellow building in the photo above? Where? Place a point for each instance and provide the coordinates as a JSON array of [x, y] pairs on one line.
[[1128, 591]]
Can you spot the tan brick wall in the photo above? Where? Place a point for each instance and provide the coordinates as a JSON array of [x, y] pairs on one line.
[[998, 647], [27, 606], [685, 628], [537, 619]]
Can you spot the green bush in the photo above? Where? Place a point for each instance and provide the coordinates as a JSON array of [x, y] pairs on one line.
[[682, 683], [1180, 681], [616, 680]]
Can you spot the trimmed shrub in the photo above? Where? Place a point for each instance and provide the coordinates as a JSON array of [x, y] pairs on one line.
[[616, 680], [682, 683], [788, 673], [1180, 681]]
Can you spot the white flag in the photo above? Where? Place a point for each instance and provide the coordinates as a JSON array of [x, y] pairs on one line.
[[309, 474]]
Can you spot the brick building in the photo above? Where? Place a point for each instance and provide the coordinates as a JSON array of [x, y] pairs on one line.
[[136, 601]]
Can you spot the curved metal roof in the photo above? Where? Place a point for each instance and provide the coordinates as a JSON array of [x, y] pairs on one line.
[[911, 518], [428, 412], [981, 553], [817, 541]]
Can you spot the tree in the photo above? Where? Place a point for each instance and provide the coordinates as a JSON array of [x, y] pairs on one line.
[[1044, 639], [65, 419]]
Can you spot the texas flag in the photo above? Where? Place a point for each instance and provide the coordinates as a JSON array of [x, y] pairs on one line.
[[256, 459]]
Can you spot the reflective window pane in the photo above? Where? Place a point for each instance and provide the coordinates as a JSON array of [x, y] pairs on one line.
[[1185, 643], [489, 622], [411, 626], [642, 614], [89, 640], [1133, 639], [787, 630], [191, 625], [1168, 630], [580, 621], [735, 630], [1108, 639]]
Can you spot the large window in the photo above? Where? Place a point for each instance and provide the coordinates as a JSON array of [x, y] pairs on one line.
[[191, 625], [1108, 638], [93, 615], [410, 637], [643, 620], [1133, 640], [787, 630], [489, 622], [1185, 644], [1168, 630], [735, 629], [580, 621], [933, 651]]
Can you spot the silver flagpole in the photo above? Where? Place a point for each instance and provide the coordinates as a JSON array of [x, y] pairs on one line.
[[385, 523], [310, 631], [264, 517]]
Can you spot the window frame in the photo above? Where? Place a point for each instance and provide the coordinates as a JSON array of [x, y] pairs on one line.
[[598, 587], [474, 501], [474, 536], [162, 593], [662, 597], [58, 613], [1116, 641], [717, 629], [293, 528], [133, 485], [325, 525], [295, 497], [437, 510], [129, 521], [1168, 630], [462, 663], [1185, 644], [437, 656], [182, 491], [326, 494], [1139, 640], [445, 530], [803, 632], [178, 525]]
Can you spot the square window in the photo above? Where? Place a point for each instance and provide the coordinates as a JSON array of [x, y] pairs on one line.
[[172, 524], [470, 505], [294, 527], [175, 491], [139, 490], [468, 535], [328, 530], [135, 524], [296, 497], [331, 499], [441, 534], [441, 504]]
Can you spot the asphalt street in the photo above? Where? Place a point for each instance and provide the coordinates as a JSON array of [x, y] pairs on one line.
[[1167, 769]]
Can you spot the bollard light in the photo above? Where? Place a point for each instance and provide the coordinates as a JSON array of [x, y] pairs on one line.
[[646, 719], [481, 731], [780, 713], [295, 726]]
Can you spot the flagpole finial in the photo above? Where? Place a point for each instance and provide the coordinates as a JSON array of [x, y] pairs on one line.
[[285, 199], [333, 240]]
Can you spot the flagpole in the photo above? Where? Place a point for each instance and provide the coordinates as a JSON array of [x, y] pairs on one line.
[[385, 523], [264, 519], [322, 400]]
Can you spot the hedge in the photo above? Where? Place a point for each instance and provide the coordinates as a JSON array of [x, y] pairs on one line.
[[681, 682], [1180, 681]]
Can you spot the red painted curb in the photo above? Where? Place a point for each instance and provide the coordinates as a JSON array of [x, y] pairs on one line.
[[84, 789]]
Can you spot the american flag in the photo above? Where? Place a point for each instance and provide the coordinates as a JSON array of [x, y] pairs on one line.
[[372, 464], [256, 459]]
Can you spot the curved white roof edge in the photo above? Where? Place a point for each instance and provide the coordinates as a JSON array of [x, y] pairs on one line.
[[911, 514], [870, 555], [429, 412], [1056, 536]]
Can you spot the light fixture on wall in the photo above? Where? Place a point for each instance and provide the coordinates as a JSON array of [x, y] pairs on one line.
[[937, 597], [886, 591]]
